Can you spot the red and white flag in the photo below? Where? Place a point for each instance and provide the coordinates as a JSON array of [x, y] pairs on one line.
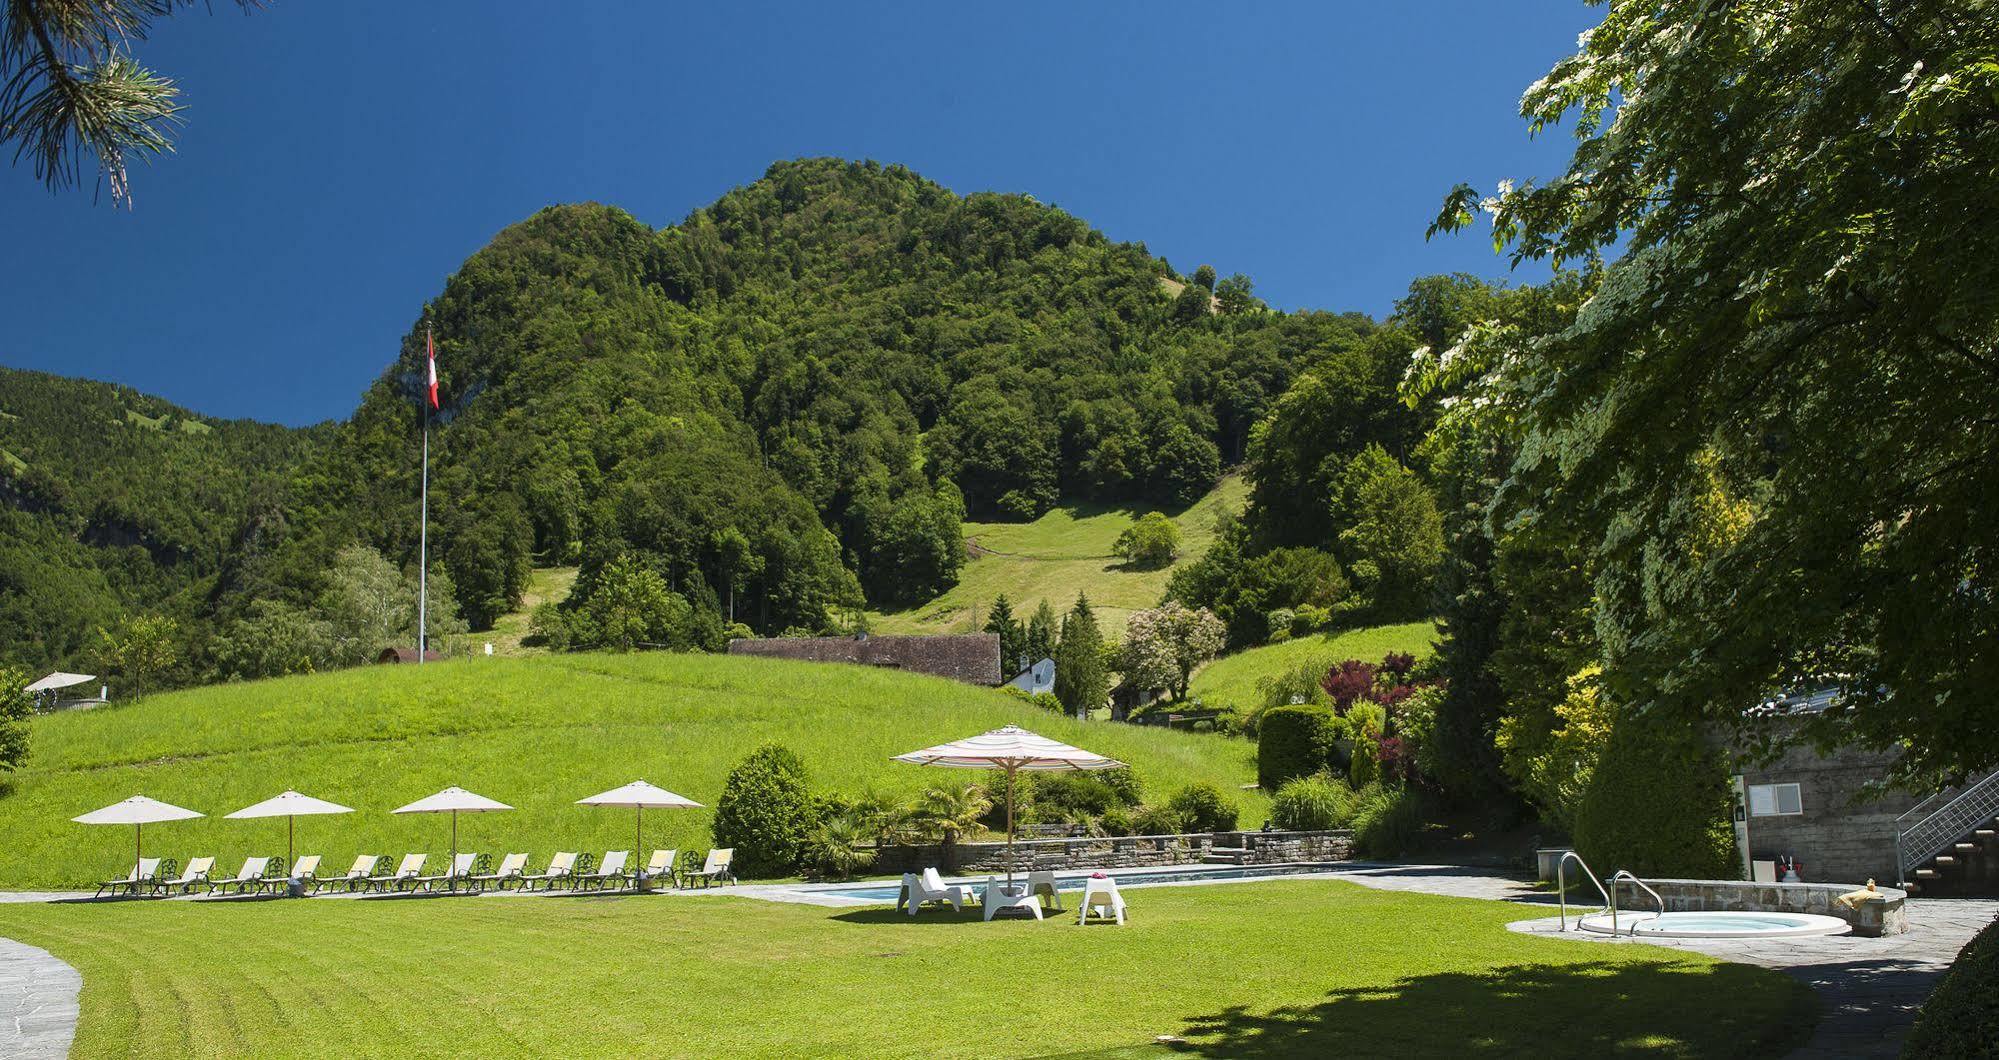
[[430, 351]]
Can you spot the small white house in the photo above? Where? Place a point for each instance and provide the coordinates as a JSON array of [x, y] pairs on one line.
[[1035, 679]]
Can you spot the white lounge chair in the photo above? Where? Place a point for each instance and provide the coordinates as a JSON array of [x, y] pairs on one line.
[[996, 898], [610, 871], [1102, 897], [1042, 885], [303, 870], [357, 875], [406, 873], [195, 875], [921, 889], [461, 867], [715, 869], [560, 867], [142, 875], [249, 876], [661, 867], [511, 868]]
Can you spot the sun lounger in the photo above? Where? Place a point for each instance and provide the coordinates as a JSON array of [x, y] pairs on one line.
[[612, 871], [461, 868], [661, 867], [302, 870], [511, 868], [923, 888], [195, 875], [357, 875], [406, 873], [713, 870], [249, 876], [1102, 897], [559, 868], [142, 875]]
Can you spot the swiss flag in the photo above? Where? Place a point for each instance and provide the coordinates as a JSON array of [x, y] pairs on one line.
[[430, 352]]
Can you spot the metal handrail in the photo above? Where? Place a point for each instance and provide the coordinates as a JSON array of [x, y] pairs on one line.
[[1971, 806], [1562, 890], [1625, 874]]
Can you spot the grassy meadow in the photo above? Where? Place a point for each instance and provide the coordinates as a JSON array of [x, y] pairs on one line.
[[536, 733], [1232, 679], [1269, 969], [1069, 550]]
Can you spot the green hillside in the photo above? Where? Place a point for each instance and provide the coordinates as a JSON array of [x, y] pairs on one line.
[[1232, 679], [1068, 550], [537, 733]]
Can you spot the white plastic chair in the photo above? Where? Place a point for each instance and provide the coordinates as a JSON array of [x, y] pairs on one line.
[[1102, 896], [923, 888]]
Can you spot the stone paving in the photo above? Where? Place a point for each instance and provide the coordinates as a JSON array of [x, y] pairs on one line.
[[37, 1003]]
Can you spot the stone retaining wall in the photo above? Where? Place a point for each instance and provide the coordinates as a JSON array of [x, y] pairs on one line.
[[1880, 916], [1119, 852]]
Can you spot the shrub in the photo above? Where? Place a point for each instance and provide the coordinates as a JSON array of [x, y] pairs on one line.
[[1204, 808], [1072, 797], [1294, 741], [1658, 804], [1280, 623], [1115, 821], [1151, 542], [1387, 821], [1157, 820], [1309, 618], [766, 813], [1365, 722], [1123, 781], [1961, 1018], [838, 847], [1312, 804]]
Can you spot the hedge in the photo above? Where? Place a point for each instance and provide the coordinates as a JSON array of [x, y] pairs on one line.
[[766, 813], [1294, 741], [1658, 804], [1961, 1018]]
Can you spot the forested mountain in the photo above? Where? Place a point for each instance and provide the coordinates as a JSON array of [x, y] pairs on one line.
[[778, 412], [113, 502]]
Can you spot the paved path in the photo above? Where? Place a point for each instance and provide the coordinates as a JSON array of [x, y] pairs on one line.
[[37, 1003], [1870, 988]]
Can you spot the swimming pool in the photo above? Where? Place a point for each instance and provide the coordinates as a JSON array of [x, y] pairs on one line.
[[886, 891], [1715, 925]]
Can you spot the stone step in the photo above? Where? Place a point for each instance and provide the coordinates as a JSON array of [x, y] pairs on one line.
[[1985, 833], [1943, 860], [1926, 874], [1967, 846]]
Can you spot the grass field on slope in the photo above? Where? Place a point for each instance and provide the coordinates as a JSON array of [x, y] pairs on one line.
[[1232, 679], [1069, 550], [1271, 969], [545, 585], [537, 733]]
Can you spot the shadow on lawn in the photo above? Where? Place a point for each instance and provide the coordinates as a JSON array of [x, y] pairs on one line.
[[1523, 1010]]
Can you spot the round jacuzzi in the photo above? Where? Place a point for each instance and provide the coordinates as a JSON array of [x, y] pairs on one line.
[[1716, 925]]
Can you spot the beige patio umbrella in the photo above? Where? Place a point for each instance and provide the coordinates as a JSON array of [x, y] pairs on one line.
[[1012, 749], [454, 801], [639, 795], [289, 805], [138, 811]]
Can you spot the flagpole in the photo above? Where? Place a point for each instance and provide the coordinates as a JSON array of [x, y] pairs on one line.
[[423, 530]]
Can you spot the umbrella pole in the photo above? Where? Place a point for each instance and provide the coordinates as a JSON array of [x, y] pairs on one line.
[[138, 852], [638, 832], [1009, 828], [291, 833]]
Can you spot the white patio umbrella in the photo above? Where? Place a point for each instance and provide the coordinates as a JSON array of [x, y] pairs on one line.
[[1012, 749], [454, 801], [289, 805], [639, 795], [138, 811], [56, 680]]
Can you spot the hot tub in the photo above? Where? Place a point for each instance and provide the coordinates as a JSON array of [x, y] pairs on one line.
[[1717, 924]]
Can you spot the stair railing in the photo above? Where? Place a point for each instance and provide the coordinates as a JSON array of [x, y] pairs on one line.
[[1934, 831]]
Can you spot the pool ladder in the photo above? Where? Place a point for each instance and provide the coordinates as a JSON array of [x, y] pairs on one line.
[[1609, 894]]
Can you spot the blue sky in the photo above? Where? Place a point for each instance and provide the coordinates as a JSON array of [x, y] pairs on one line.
[[339, 161]]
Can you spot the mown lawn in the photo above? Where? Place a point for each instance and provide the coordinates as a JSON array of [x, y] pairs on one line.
[[1232, 679], [1069, 550], [537, 733], [1276, 969]]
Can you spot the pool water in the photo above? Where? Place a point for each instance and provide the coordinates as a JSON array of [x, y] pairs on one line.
[[887, 892], [1718, 925]]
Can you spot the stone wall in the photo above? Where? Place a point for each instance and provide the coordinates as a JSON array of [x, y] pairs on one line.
[[1879, 916], [1842, 834], [1119, 852]]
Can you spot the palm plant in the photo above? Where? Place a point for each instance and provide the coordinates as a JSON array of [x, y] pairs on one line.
[[838, 847], [947, 812]]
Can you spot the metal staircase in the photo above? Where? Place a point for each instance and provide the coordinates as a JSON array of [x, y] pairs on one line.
[[1950, 837]]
